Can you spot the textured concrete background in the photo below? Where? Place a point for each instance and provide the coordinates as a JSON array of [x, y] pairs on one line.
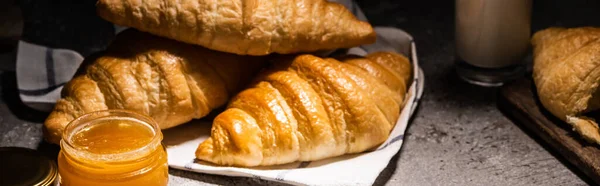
[[457, 137]]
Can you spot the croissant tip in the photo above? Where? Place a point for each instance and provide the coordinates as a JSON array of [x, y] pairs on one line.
[[370, 38], [366, 32], [51, 137], [205, 149]]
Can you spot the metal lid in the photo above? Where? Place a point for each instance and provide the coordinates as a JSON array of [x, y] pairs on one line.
[[22, 166]]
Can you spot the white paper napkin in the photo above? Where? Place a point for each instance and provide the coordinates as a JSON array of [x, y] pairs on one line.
[[356, 169]]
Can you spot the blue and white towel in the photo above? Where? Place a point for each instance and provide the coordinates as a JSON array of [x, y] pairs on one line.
[[42, 72]]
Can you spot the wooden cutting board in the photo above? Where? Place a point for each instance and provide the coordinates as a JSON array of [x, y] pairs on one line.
[[518, 100]]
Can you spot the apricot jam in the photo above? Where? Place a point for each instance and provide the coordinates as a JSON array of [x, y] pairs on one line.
[[112, 147]]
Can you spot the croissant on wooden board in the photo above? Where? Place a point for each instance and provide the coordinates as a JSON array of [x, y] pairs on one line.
[[308, 108], [170, 81], [253, 27], [567, 73]]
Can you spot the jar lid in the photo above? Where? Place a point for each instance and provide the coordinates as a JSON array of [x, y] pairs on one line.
[[22, 166]]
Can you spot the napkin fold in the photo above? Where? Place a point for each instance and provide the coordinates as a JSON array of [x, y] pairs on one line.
[[42, 72]]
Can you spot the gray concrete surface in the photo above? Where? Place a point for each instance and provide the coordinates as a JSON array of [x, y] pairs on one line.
[[457, 136]]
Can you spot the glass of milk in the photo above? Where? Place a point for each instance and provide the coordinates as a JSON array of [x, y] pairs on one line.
[[492, 38]]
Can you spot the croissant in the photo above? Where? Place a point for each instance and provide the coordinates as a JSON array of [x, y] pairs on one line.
[[567, 73], [245, 27], [308, 108], [170, 81]]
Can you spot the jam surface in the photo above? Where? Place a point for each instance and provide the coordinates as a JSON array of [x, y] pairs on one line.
[[112, 136]]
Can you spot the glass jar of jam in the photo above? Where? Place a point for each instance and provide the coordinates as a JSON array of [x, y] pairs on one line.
[[112, 147]]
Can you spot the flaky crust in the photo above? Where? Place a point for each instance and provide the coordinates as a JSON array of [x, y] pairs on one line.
[[308, 108], [170, 81], [567, 74], [253, 27]]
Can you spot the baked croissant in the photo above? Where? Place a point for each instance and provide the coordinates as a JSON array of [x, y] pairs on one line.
[[170, 81], [253, 27], [310, 108], [567, 74]]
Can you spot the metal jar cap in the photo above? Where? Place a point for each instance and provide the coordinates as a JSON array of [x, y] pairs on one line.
[[22, 166]]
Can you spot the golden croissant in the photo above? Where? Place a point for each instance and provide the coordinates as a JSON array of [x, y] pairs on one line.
[[567, 74], [245, 27], [170, 81], [309, 108]]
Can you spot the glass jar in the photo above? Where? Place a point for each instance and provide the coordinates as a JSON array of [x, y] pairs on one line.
[[112, 147]]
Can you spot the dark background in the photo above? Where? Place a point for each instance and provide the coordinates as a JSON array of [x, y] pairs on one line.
[[73, 24]]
